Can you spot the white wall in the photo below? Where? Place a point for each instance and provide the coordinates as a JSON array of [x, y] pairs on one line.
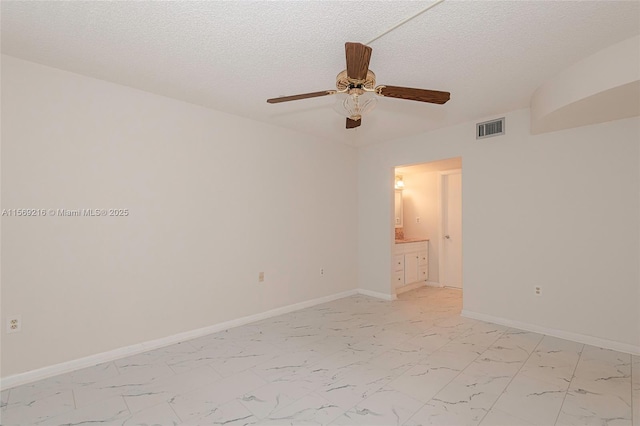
[[602, 87], [560, 210], [213, 200]]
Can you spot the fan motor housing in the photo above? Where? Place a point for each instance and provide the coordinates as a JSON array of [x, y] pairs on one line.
[[343, 82]]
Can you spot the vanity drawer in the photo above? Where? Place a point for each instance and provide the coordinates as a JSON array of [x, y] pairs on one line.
[[398, 279], [398, 263]]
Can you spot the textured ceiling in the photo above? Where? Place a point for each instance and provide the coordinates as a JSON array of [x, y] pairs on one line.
[[232, 56]]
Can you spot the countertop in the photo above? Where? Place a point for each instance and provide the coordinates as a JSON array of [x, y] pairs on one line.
[[411, 240]]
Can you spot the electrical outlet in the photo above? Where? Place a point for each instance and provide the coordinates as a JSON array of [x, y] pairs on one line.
[[321, 271], [14, 323], [261, 277], [417, 220], [538, 290]]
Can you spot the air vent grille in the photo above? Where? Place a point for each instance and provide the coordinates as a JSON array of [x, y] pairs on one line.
[[490, 128]]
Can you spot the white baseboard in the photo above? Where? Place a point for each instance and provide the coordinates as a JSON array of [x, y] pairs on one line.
[[89, 361], [434, 284], [576, 337], [377, 294]]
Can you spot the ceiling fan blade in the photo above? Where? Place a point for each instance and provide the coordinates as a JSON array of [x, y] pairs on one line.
[[302, 96], [358, 56], [420, 95], [352, 124]]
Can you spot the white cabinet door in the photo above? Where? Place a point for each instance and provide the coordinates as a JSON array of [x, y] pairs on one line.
[[410, 268], [423, 273], [410, 263], [423, 264]]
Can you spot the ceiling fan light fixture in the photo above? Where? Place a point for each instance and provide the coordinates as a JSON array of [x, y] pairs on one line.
[[357, 90], [354, 105]]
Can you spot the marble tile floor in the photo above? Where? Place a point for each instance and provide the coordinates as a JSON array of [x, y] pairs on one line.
[[353, 361]]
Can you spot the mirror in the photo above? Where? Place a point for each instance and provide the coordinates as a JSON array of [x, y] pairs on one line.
[[398, 209]]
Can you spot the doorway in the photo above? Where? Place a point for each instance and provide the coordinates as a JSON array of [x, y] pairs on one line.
[[431, 220]]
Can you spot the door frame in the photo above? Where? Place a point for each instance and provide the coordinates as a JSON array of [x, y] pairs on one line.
[[441, 181]]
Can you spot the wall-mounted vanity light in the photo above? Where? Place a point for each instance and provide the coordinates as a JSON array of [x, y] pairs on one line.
[[399, 182]]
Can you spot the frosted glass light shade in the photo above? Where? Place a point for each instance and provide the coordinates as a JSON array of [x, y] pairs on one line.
[[355, 106]]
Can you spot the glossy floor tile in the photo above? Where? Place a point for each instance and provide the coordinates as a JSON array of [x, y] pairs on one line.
[[353, 361]]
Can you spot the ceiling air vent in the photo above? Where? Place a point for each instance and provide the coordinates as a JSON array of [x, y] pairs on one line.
[[490, 128]]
